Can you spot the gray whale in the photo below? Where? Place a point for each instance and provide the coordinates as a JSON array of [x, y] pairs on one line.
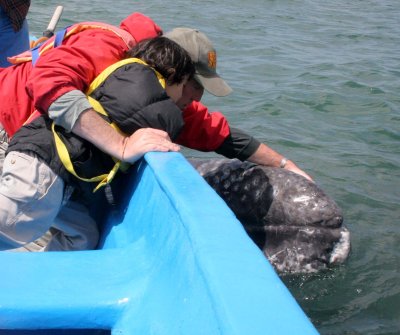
[[298, 227]]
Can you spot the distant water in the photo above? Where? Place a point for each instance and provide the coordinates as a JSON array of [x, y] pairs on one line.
[[320, 82]]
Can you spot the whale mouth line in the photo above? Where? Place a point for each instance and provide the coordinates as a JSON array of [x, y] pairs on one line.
[[341, 250], [282, 228], [303, 250], [334, 222]]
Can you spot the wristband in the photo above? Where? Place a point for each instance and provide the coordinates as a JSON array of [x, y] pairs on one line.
[[283, 162]]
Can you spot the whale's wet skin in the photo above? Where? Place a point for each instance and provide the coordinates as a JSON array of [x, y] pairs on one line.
[[298, 227]]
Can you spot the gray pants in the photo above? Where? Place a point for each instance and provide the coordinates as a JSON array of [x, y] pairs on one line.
[[3, 146], [31, 204]]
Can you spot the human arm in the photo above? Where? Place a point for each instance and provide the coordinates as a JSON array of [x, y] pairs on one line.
[[144, 140], [264, 155], [88, 49], [245, 147], [211, 132], [126, 148], [72, 65], [73, 112], [141, 104]]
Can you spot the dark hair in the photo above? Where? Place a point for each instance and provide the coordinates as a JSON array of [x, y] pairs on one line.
[[165, 56]]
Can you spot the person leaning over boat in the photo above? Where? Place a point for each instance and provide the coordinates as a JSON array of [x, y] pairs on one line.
[[56, 83], [37, 177], [87, 49], [14, 32]]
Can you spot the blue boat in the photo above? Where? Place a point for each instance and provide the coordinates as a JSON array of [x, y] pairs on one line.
[[177, 262]]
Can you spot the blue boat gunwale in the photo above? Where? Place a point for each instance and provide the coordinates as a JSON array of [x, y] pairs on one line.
[[230, 287]]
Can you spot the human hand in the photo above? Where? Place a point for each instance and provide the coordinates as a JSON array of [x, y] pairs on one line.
[[144, 140], [294, 168]]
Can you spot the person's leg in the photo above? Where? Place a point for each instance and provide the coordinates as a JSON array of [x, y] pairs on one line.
[[31, 208], [30, 198], [73, 229], [3, 146], [35, 246]]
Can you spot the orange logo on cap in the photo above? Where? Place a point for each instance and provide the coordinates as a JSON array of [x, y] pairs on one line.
[[212, 59]]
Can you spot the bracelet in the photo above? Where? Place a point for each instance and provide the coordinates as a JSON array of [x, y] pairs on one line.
[[123, 148], [283, 162]]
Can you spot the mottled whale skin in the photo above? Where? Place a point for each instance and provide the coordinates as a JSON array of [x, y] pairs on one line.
[[297, 226]]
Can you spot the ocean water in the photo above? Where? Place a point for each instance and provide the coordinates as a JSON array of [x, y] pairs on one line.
[[319, 82]]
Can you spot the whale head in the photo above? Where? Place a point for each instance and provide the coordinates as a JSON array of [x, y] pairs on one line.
[[294, 222]]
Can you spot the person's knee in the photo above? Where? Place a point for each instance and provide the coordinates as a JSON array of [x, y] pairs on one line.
[[30, 197]]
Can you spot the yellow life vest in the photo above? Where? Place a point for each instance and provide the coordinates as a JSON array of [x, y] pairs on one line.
[[62, 150]]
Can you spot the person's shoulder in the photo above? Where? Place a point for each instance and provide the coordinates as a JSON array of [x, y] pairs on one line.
[[133, 81], [140, 75]]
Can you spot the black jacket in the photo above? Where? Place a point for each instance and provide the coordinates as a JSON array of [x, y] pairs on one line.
[[132, 97]]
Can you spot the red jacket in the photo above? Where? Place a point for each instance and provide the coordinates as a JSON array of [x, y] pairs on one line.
[[203, 130], [75, 64]]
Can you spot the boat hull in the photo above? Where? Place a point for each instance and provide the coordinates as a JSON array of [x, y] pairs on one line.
[[177, 262]]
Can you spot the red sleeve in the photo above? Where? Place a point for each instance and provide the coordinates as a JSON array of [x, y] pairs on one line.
[[203, 130], [73, 65]]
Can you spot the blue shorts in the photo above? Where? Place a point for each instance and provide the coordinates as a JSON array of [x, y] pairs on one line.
[[11, 43]]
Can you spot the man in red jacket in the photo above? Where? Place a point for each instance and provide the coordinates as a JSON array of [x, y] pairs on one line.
[[61, 75]]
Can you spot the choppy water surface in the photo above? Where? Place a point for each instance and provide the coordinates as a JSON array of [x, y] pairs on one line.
[[320, 82]]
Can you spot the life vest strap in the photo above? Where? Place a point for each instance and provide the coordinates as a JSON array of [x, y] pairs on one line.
[[65, 158], [62, 150], [59, 38]]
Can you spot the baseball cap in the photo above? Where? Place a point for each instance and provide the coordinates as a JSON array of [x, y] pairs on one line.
[[204, 56]]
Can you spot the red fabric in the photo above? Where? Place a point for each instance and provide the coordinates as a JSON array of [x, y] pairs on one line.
[[140, 27], [203, 130], [73, 65], [15, 104]]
